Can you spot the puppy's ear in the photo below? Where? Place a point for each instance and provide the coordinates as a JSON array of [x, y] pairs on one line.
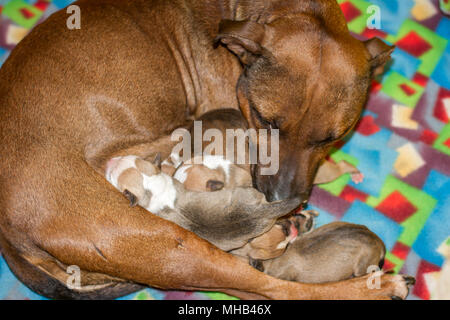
[[244, 38], [157, 161], [380, 53], [214, 185], [131, 197]]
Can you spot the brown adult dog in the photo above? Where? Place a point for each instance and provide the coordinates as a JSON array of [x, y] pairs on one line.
[[71, 99]]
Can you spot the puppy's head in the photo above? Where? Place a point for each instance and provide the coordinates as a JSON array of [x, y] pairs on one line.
[[127, 175], [305, 76], [200, 178], [212, 173], [273, 243]]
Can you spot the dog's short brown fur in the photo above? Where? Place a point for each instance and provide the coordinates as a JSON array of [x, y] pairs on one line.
[[70, 100], [334, 252]]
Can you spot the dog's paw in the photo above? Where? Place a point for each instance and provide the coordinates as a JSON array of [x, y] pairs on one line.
[[379, 286], [389, 287], [357, 177]]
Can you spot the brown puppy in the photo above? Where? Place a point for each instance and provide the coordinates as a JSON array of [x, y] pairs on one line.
[[334, 252], [70, 100], [274, 242]]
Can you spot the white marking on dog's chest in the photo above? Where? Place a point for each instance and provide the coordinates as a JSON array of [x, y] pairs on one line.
[[163, 192]]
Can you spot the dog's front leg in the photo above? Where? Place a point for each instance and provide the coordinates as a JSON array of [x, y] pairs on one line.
[[145, 249]]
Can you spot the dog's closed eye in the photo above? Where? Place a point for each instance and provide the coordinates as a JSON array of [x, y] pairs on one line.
[[266, 123]]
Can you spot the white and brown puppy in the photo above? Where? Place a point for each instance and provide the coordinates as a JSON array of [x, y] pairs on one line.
[[334, 252], [228, 218], [212, 173]]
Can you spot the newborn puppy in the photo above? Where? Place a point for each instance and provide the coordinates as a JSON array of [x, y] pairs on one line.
[[273, 243], [227, 218], [334, 252], [212, 173]]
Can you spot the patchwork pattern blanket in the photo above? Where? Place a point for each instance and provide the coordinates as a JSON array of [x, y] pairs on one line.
[[401, 145]]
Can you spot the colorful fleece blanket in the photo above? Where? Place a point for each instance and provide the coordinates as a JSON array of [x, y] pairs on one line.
[[401, 145]]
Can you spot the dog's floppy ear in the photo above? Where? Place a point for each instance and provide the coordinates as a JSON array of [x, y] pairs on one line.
[[380, 53], [278, 209], [244, 38]]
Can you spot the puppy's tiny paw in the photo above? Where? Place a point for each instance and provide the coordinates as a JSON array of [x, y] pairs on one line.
[[131, 197]]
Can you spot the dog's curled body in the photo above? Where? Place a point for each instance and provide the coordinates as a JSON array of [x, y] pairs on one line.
[[70, 100]]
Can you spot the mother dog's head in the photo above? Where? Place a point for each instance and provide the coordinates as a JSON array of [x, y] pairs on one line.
[[305, 75]]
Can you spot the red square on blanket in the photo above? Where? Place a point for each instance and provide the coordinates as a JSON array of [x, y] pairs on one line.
[[350, 11], [397, 207], [414, 44], [367, 126], [351, 194], [428, 136], [420, 288], [401, 250]]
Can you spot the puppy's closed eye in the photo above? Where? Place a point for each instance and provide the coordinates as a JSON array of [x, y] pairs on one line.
[[285, 226], [214, 185]]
